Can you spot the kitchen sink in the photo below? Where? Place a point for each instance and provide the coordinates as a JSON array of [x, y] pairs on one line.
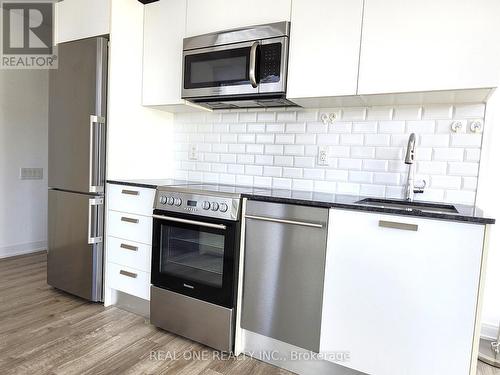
[[407, 205]]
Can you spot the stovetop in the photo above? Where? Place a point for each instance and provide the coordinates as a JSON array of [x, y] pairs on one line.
[[203, 199]]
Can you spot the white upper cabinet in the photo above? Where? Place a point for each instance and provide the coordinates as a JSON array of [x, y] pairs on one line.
[[324, 48], [206, 16], [79, 19], [426, 45], [164, 29]]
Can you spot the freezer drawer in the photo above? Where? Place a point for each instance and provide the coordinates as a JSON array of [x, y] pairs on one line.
[[75, 247], [285, 251]]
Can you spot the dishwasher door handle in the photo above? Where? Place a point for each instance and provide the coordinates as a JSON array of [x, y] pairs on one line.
[[284, 221]]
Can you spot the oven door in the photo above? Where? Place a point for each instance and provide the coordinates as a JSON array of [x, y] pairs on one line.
[[247, 69], [195, 258]]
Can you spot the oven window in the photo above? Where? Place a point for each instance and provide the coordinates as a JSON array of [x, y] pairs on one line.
[[218, 68], [192, 254]]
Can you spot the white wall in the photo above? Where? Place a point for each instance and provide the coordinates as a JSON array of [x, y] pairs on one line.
[[488, 199], [23, 143], [140, 139]]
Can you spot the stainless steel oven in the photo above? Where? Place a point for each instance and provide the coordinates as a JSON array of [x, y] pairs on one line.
[[196, 236], [239, 68]]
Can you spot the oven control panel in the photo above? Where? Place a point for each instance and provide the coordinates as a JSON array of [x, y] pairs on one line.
[[200, 205]]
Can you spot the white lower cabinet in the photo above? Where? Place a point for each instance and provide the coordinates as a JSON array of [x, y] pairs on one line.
[[401, 293], [129, 231]]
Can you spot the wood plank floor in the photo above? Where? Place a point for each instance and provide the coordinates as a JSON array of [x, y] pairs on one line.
[[45, 331]]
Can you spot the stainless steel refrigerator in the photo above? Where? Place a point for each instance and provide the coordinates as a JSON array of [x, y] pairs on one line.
[[76, 171]]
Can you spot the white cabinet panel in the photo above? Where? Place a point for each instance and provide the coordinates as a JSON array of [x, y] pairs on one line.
[[401, 301], [214, 15], [78, 19], [128, 280], [133, 227], [164, 30], [324, 48], [428, 45], [130, 199], [129, 253]]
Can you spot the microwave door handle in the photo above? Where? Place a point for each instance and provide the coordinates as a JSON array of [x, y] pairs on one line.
[[253, 64]]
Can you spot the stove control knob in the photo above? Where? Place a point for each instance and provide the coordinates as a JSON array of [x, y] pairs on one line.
[[215, 206], [170, 201], [223, 207], [163, 199], [206, 205], [178, 201]]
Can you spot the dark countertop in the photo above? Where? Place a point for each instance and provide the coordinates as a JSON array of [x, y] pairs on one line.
[[465, 213], [147, 183]]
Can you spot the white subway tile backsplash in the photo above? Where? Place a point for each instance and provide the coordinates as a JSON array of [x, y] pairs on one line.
[[420, 127], [296, 128], [365, 127], [297, 150], [366, 146], [407, 113], [285, 161], [463, 169], [392, 127], [380, 113], [353, 114], [434, 112], [275, 128], [304, 162], [351, 139], [293, 172], [272, 171], [449, 154], [469, 111], [285, 139], [378, 140], [466, 140]]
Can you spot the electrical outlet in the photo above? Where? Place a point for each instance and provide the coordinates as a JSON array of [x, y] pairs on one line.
[[323, 155], [193, 152], [31, 174]]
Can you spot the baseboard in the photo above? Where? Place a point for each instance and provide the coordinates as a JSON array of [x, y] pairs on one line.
[[21, 249], [489, 331]]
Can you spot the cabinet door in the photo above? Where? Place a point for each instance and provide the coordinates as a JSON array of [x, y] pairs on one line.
[[78, 19], [324, 48], [164, 29], [215, 15], [428, 45], [401, 299]]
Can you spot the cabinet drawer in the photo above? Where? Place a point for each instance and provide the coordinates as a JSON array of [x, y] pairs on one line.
[[131, 227], [131, 199], [128, 280], [129, 253]]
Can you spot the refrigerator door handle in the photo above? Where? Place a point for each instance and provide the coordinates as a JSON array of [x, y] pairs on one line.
[[95, 218], [96, 180]]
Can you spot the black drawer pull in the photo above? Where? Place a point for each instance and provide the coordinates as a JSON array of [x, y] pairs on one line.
[[130, 220]]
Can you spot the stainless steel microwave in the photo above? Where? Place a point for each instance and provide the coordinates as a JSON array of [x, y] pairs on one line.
[[240, 68]]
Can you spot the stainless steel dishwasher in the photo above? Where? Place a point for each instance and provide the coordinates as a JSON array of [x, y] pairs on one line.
[[285, 249]]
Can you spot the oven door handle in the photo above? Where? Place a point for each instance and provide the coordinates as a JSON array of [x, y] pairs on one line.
[[193, 222]]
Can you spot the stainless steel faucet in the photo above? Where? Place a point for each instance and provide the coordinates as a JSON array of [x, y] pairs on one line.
[[410, 189]]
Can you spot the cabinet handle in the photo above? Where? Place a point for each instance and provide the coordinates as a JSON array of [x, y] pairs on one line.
[[130, 220], [130, 192], [128, 274], [396, 225], [129, 247]]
